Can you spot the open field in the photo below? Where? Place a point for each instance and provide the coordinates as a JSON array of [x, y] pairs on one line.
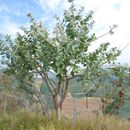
[[83, 108]]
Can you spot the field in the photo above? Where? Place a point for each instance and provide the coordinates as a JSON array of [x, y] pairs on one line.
[[82, 108]]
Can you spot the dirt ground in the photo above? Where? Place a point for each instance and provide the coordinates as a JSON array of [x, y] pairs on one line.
[[82, 107]]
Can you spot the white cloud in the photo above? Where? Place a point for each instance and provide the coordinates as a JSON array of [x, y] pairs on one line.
[[50, 4], [3, 8], [113, 12], [106, 13], [9, 27], [54, 5]]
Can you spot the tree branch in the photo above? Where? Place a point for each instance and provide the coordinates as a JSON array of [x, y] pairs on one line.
[[65, 91], [59, 87], [45, 79], [125, 46], [74, 76], [52, 84], [110, 31]]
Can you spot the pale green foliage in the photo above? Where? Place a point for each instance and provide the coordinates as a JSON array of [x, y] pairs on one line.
[[121, 71], [67, 47], [64, 51]]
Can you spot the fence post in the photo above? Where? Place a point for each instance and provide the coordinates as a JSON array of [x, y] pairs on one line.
[[74, 111], [86, 102], [5, 102]]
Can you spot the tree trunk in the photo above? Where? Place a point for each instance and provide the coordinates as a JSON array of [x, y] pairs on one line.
[[57, 107], [58, 113], [61, 107]]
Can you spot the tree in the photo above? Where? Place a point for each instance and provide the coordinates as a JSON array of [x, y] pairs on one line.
[[115, 82], [63, 52], [122, 73]]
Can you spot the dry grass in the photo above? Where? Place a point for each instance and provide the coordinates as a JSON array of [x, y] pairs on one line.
[[31, 121], [18, 119]]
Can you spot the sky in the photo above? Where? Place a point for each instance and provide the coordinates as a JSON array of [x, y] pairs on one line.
[[13, 15]]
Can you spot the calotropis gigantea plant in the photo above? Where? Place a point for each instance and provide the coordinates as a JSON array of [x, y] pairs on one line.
[[64, 51]]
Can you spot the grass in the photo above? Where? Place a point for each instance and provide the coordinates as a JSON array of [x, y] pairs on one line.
[[19, 119], [31, 121]]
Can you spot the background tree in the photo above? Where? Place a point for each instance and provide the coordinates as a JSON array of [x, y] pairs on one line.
[[65, 52], [122, 73]]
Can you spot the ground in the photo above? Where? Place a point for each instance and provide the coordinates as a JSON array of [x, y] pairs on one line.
[[82, 107]]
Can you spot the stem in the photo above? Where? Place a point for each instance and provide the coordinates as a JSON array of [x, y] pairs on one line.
[[45, 79], [52, 84], [59, 87], [65, 91], [105, 33]]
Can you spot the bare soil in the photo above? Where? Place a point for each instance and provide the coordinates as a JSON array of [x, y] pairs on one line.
[[83, 107]]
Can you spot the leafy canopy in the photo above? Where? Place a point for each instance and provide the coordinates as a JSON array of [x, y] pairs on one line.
[[64, 51]]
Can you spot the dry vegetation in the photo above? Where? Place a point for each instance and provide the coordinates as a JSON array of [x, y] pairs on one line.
[[31, 121], [19, 119]]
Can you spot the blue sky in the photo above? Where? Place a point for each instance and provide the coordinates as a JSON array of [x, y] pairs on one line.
[[13, 14]]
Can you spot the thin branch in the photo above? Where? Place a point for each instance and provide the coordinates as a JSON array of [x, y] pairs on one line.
[[45, 79], [102, 35], [125, 46], [65, 91], [74, 76], [113, 27], [59, 87], [94, 83], [84, 93], [51, 82]]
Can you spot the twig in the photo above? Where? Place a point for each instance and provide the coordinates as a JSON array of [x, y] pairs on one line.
[[125, 46]]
